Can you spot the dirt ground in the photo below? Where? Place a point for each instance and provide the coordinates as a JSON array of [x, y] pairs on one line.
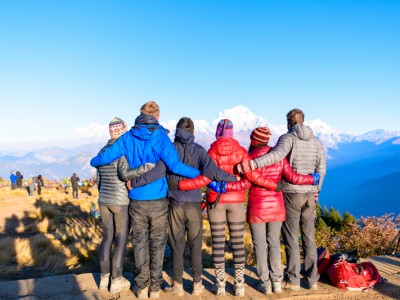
[[84, 286]]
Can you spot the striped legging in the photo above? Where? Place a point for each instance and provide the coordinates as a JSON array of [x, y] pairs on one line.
[[235, 215]]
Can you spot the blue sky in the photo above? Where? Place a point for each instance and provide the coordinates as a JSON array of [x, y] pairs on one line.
[[66, 64]]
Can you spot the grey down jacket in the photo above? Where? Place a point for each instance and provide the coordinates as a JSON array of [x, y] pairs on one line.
[[304, 152]]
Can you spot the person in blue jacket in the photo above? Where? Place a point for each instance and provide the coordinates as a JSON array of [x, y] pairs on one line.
[[13, 180], [147, 142]]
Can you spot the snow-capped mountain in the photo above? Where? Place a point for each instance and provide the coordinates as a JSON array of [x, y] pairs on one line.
[[57, 154], [354, 161]]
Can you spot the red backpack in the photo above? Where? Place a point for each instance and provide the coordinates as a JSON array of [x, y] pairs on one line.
[[353, 276], [323, 261]]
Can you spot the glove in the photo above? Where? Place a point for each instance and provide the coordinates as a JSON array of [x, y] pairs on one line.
[[246, 166], [173, 185], [215, 186], [279, 186], [316, 177], [222, 187]]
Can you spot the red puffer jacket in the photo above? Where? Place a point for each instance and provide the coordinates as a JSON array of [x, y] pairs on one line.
[[265, 205], [227, 153]]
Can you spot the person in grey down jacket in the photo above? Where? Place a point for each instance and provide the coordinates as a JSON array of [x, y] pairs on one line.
[[185, 210], [306, 155], [113, 203], [147, 141]]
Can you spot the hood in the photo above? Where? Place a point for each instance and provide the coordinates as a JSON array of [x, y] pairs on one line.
[[302, 131], [183, 136], [146, 127]]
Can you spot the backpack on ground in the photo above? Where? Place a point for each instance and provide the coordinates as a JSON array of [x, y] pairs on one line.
[[348, 273], [323, 261]]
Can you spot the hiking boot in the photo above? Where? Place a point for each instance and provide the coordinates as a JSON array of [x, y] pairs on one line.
[[154, 295], [313, 287], [277, 287], [220, 281], [265, 287], [104, 281], [292, 287], [141, 293], [239, 281], [239, 288], [118, 284], [176, 289], [198, 288]]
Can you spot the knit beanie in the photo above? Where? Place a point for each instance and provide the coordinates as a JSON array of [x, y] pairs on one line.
[[151, 108], [260, 136], [224, 129], [117, 127]]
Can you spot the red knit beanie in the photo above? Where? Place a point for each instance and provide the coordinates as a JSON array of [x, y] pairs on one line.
[[260, 136]]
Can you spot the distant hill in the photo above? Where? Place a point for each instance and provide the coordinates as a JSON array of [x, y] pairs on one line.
[[374, 197]]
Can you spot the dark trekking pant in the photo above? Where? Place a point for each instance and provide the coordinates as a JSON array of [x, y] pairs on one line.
[[234, 214], [185, 220], [149, 221], [115, 221], [300, 209], [75, 192], [13, 186], [39, 190], [266, 236]]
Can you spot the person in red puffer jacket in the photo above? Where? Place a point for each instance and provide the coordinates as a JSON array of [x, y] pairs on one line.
[[266, 212], [227, 152]]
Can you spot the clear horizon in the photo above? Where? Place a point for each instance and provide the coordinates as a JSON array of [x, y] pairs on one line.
[[68, 64]]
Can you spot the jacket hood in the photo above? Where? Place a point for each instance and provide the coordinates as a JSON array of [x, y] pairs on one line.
[[146, 127], [302, 131], [183, 136]]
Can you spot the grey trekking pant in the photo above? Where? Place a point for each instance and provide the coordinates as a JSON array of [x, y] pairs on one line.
[[115, 221], [300, 209], [186, 220], [267, 235]]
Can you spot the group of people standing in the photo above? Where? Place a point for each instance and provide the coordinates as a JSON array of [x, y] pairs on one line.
[[36, 183], [16, 180], [163, 200]]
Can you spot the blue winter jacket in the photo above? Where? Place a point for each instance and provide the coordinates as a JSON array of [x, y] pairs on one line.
[[146, 141], [13, 178]]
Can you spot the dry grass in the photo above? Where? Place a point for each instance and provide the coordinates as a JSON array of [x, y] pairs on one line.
[[54, 238]]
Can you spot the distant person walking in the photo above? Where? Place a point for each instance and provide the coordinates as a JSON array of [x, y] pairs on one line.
[[306, 155], [39, 184], [74, 182], [13, 180], [31, 187], [114, 203], [19, 179]]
